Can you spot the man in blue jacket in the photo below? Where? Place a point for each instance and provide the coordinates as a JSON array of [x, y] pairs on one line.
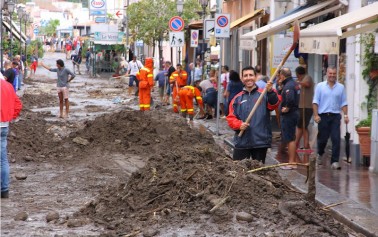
[[257, 136], [289, 113]]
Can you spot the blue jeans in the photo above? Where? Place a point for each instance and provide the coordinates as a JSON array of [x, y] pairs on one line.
[[20, 79], [4, 160], [329, 126]]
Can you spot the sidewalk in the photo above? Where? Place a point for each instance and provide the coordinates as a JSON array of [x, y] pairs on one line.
[[353, 185]]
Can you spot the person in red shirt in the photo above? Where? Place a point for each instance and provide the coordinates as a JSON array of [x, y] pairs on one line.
[[10, 109]]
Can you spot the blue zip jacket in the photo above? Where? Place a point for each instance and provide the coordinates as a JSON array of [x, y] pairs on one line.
[[259, 133], [290, 95]]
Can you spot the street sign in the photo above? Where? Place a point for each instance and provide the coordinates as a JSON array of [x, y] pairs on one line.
[[176, 24], [222, 25], [100, 19], [176, 39], [139, 43], [118, 14], [209, 27], [194, 38]]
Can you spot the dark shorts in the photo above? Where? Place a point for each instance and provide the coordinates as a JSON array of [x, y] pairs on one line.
[[254, 153], [210, 97], [288, 126], [307, 117], [132, 79]]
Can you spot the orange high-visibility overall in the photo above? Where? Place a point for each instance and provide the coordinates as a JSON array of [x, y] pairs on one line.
[[177, 80], [187, 93], [146, 82]]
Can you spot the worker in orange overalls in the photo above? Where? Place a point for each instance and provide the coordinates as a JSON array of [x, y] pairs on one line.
[[146, 82], [186, 94], [177, 80]]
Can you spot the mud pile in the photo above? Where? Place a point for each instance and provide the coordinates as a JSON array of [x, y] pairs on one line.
[[185, 178], [188, 186]]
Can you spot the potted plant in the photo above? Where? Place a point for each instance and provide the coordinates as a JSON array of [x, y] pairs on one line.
[[363, 129], [370, 72]]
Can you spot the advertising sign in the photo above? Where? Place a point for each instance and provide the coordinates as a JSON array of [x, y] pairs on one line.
[[319, 45], [281, 45], [108, 36], [97, 7]]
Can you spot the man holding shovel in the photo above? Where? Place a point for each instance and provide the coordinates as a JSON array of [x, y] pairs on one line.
[[257, 135]]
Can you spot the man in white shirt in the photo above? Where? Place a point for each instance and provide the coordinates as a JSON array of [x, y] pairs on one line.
[[134, 67]]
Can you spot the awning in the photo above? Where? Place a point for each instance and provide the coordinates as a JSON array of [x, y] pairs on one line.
[[324, 38], [247, 18], [15, 33], [286, 22], [197, 24]]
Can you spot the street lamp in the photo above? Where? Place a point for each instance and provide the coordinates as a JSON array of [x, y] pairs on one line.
[[204, 4], [11, 6], [20, 12], [26, 18], [1, 34], [180, 8]]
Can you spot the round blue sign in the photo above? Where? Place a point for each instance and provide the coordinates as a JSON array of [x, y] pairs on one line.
[[176, 23], [222, 21]]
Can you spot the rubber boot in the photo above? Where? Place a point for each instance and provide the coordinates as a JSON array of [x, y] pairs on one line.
[[183, 114]]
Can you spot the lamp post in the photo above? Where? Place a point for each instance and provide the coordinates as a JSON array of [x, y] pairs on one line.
[[11, 6], [26, 18], [20, 12], [180, 8], [1, 33], [204, 4]]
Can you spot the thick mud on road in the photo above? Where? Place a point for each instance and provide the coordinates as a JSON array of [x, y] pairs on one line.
[[109, 170]]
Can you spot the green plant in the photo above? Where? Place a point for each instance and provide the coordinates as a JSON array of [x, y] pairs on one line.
[[365, 122], [370, 62]]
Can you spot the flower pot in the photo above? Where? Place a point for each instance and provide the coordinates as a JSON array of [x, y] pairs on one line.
[[365, 140], [373, 74]]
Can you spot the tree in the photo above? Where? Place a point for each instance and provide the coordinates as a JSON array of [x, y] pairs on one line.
[[50, 28], [148, 19]]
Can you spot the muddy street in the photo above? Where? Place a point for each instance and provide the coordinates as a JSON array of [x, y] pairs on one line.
[[110, 170]]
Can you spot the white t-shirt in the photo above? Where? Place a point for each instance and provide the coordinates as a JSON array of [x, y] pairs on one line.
[[206, 84], [134, 67]]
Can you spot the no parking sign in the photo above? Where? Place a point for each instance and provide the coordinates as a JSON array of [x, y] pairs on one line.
[[194, 38], [176, 24], [222, 25]]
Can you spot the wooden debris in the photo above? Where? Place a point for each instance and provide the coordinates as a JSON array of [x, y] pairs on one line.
[[220, 203], [275, 166]]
